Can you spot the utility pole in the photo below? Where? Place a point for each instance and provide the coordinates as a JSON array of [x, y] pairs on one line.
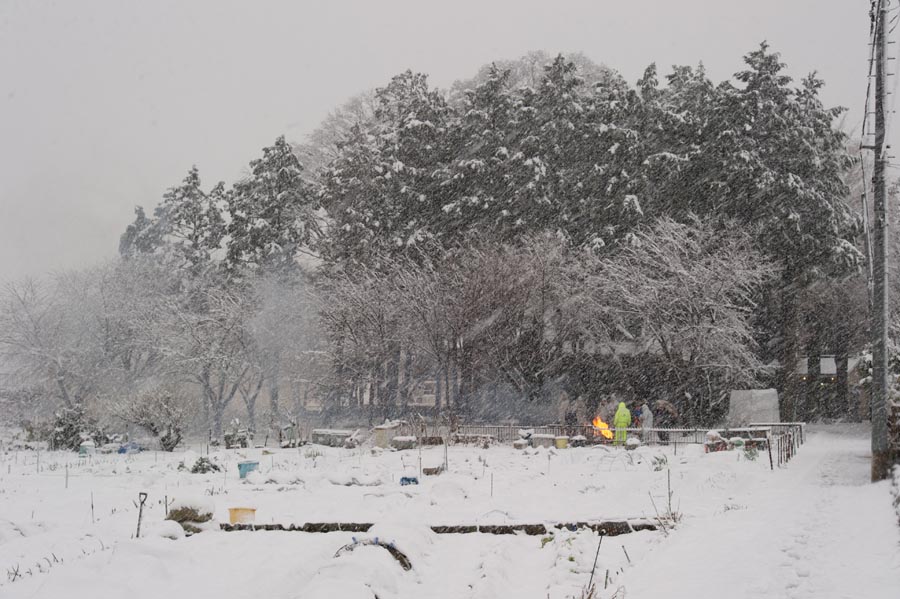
[[880, 359]]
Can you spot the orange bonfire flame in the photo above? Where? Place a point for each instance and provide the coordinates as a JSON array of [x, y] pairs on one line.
[[602, 428]]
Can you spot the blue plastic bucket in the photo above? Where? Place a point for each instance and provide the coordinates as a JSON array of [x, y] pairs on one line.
[[245, 467]]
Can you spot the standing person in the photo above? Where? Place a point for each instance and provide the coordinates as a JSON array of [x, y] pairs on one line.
[[666, 417], [647, 435], [571, 422], [581, 410], [608, 410], [621, 421], [564, 405]]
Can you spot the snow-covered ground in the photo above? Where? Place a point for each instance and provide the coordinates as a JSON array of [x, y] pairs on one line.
[[815, 528]]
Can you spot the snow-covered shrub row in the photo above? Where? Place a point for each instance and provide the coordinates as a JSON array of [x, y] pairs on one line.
[[347, 479]]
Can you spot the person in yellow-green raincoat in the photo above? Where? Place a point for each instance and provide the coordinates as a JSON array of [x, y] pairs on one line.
[[621, 421]]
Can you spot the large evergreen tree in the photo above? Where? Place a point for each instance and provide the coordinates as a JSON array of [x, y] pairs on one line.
[[272, 212], [383, 193], [186, 230]]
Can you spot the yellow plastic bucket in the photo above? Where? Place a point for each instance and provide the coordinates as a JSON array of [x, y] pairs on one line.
[[561, 442], [241, 515]]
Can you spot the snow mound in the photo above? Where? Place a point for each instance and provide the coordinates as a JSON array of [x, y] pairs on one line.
[[278, 477], [346, 479], [447, 491], [11, 531], [330, 588], [189, 458], [414, 541], [166, 529], [199, 503], [367, 569]]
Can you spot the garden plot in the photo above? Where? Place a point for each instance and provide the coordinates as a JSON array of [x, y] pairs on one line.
[[59, 545]]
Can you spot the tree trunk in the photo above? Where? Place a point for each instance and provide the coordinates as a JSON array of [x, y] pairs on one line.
[[252, 393], [465, 379], [339, 373], [392, 380], [251, 416], [454, 375], [841, 339], [406, 385], [274, 380], [207, 392], [438, 388], [787, 356], [445, 380], [64, 393], [207, 415], [373, 394], [218, 415], [841, 393], [813, 400]]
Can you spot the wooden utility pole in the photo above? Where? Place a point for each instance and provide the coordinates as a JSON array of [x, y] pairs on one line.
[[880, 359]]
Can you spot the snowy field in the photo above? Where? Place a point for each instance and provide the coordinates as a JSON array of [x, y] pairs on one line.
[[815, 528]]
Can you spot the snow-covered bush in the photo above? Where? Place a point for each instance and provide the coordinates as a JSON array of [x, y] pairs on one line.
[[72, 426], [660, 462], [161, 413], [191, 513], [203, 465]]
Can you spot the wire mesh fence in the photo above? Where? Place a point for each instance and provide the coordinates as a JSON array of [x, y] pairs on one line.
[[781, 440]]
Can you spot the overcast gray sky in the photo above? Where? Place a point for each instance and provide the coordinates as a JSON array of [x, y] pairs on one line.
[[105, 104]]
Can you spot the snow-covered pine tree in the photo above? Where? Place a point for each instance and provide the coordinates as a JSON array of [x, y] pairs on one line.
[[140, 237], [383, 191], [530, 69], [673, 125], [323, 145], [784, 165], [186, 229], [190, 223], [479, 181], [784, 170], [598, 169], [273, 213]]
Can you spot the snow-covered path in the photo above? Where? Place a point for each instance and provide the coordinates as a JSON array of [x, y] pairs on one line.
[[820, 530]]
